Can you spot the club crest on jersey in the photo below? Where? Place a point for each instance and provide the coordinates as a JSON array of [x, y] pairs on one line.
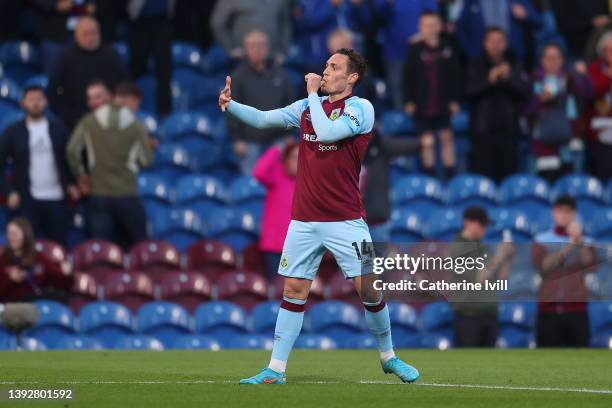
[[284, 263], [334, 114]]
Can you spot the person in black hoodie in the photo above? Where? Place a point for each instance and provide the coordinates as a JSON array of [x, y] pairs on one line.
[[432, 86], [497, 87], [79, 65], [40, 181]]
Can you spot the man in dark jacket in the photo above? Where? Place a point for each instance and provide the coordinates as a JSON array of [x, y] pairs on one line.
[[496, 89], [432, 87], [40, 178], [79, 65]]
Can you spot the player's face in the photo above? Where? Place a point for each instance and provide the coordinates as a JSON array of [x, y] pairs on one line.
[[34, 104], [335, 76]]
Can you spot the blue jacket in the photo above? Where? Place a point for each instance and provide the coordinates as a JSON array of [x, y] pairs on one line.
[[471, 28], [400, 21]]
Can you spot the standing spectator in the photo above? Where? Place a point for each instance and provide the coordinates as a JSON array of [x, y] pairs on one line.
[[115, 145], [374, 181], [276, 170], [150, 34], [399, 24], [263, 85], [513, 17], [432, 87], [192, 22], [128, 94], [314, 20], [80, 64], [55, 22], [475, 323], [559, 93], [496, 89], [40, 181], [232, 20], [27, 275], [563, 256], [599, 117], [576, 20]]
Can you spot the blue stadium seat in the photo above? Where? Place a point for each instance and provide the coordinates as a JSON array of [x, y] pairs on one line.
[[202, 194], [600, 225], [106, 321], [19, 60], [148, 86], [184, 126], [246, 188], [602, 341], [33, 344], [154, 187], [174, 161], [515, 337], [294, 58], [471, 189], [436, 319], [215, 60], [252, 342], [366, 341], [421, 194], [406, 226], [404, 325], [587, 190], [444, 224], [9, 114], [7, 340], [238, 229], [187, 55], [138, 342], [461, 121], [196, 342], [56, 320], [78, 343], [526, 193], [542, 222], [395, 123], [150, 122], [519, 314], [164, 321], [438, 341], [40, 80], [515, 222], [600, 318], [264, 316], [223, 320], [335, 319], [315, 342], [180, 227]]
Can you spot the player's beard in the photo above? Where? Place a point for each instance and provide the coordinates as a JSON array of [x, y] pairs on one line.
[[324, 91]]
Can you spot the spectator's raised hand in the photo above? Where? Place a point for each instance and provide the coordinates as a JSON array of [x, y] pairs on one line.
[[226, 94], [15, 274], [574, 232]]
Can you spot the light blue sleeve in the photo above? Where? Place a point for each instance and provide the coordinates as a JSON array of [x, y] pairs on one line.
[[357, 119], [286, 117]]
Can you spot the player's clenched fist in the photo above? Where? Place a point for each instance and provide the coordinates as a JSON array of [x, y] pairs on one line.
[[313, 82], [226, 94]]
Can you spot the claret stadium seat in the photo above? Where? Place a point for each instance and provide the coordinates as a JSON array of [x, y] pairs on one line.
[[244, 288], [154, 256], [131, 289], [84, 290], [97, 257], [188, 289], [212, 258]]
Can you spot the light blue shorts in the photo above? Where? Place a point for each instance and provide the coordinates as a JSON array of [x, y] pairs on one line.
[[306, 242]]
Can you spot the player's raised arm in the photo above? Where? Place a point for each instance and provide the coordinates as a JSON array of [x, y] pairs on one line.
[[282, 118]]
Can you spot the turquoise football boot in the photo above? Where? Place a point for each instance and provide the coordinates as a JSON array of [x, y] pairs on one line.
[[266, 376], [405, 372]]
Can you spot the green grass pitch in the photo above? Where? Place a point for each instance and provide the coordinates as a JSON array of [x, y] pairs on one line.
[[317, 379]]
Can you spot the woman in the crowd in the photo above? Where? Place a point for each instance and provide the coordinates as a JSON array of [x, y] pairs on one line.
[[600, 116], [276, 170], [26, 274], [560, 94]]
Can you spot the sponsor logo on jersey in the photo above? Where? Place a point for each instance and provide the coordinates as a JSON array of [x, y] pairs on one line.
[[334, 114], [309, 138], [352, 118], [327, 148]]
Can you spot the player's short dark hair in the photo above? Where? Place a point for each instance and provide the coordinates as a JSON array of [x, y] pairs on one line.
[[477, 214], [32, 88], [356, 62], [565, 200], [128, 88], [495, 30]]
